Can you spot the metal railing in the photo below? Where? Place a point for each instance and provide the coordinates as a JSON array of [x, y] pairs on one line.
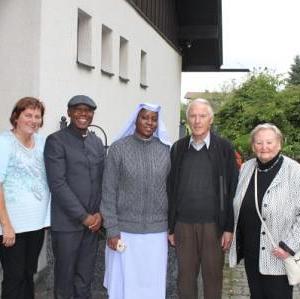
[[64, 123]]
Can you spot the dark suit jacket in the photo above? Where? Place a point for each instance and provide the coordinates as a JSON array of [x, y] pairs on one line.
[[74, 166]]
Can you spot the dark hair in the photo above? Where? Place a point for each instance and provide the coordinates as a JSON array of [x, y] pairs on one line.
[[23, 104]]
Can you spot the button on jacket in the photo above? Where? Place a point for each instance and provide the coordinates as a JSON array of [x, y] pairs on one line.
[[74, 166]]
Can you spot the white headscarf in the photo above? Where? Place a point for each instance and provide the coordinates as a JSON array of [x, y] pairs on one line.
[[160, 132]]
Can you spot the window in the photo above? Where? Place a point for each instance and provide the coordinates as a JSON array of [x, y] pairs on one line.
[[106, 53], [143, 80], [123, 60], [84, 39]]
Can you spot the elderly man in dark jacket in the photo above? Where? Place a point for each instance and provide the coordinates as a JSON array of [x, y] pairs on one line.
[[201, 188], [74, 160]]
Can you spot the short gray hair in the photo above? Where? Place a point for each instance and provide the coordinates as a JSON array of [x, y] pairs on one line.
[[266, 126], [200, 101]]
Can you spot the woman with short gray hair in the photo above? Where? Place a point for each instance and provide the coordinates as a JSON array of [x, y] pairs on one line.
[[277, 178]]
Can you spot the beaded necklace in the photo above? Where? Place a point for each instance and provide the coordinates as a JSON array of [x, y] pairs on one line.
[[271, 167]]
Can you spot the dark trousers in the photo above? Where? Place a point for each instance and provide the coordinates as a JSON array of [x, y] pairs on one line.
[[199, 244], [19, 264], [75, 256], [266, 286]]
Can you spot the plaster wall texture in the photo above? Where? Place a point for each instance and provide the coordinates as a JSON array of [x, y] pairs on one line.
[[38, 55]]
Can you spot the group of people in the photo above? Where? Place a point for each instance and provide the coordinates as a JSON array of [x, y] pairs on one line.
[[147, 193]]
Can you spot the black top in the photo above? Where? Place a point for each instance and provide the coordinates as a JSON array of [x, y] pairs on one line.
[[249, 224], [197, 195]]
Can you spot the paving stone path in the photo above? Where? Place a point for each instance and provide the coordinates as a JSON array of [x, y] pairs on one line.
[[235, 284], [234, 287]]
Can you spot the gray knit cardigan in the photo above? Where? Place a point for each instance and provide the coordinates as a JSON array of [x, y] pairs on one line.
[[134, 197]]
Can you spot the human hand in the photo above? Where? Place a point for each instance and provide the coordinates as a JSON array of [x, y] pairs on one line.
[[97, 223], [171, 239], [9, 236], [112, 243], [89, 220], [226, 240], [280, 253]]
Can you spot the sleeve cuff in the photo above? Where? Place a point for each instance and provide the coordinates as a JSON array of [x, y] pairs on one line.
[[83, 217], [112, 232]]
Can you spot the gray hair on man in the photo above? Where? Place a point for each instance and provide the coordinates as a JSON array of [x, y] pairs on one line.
[[266, 126], [200, 101]]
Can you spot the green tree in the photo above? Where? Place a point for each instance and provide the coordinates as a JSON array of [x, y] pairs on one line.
[[294, 74], [290, 103], [182, 112], [261, 99]]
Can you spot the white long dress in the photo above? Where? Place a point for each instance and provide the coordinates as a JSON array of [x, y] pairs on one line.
[[140, 271]]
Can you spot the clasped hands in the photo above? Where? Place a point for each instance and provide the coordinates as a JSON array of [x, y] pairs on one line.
[[93, 222]]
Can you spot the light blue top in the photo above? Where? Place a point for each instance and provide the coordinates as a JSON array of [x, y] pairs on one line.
[[23, 177]]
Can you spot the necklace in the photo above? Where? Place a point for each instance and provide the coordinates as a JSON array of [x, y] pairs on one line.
[[271, 167]]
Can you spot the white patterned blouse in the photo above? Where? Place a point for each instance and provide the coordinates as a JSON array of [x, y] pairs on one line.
[[23, 177]]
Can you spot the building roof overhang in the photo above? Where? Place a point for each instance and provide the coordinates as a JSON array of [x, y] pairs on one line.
[[192, 27], [200, 34]]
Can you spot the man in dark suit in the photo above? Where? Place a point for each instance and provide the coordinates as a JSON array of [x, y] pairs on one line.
[[74, 160]]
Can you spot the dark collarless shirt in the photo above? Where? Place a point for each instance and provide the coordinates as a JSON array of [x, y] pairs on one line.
[[74, 167]]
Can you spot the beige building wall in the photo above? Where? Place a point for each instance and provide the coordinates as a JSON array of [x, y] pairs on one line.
[[20, 29], [38, 55]]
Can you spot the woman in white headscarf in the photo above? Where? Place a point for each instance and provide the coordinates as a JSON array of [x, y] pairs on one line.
[[134, 208]]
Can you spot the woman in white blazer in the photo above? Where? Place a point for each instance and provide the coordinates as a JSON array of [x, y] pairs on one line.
[[278, 191]]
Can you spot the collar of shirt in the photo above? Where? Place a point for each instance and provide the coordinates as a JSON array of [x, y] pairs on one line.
[[198, 146], [74, 131]]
